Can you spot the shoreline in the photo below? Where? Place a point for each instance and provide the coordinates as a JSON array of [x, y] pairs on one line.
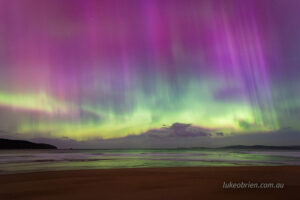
[[142, 168], [151, 183]]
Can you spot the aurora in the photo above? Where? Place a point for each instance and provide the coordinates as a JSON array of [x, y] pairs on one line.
[[88, 70]]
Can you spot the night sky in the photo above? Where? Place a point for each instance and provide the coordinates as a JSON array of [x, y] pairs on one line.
[[178, 70]]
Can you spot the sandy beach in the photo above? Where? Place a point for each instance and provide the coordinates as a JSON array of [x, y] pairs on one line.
[[151, 183]]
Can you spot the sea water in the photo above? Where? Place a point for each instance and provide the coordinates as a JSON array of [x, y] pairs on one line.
[[19, 161]]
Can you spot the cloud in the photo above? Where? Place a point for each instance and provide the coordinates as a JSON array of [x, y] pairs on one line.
[[178, 130], [282, 137], [174, 136], [219, 134]]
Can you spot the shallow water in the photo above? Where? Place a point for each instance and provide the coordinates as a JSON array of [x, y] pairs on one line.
[[18, 161]]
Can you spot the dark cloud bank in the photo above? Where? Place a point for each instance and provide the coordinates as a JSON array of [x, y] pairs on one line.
[[175, 136]]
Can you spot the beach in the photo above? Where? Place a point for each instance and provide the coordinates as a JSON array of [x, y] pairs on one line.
[[152, 183]]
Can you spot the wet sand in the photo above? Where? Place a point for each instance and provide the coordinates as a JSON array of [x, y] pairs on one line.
[[151, 184]]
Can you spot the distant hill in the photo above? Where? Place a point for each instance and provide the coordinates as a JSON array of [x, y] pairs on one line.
[[22, 144], [262, 147]]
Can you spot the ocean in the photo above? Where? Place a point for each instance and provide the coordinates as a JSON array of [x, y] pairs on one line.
[[21, 161]]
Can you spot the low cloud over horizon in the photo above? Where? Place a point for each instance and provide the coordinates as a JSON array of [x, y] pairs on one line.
[[175, 136]]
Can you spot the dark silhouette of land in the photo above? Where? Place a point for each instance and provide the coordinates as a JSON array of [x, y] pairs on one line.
[[22, 144], [263, 147]]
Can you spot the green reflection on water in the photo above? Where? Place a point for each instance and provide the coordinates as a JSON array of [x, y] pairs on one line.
[[106, 159]]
